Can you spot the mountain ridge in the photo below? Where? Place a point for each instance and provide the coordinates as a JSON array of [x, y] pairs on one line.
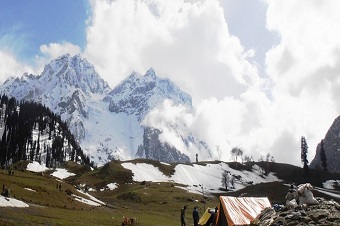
[[108, 123]]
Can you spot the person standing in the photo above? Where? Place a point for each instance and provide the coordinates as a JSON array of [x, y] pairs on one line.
[[215, 216], [195, 216], [291, 197], [291, 193], [183, 215]]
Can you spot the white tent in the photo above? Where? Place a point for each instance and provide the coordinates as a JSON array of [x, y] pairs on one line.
[[240, 210]]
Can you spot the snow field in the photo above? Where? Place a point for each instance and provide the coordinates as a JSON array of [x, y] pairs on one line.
[[196, 176], [11, 202]]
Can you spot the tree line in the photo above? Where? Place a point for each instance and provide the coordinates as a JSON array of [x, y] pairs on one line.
[[31, 131], [237, 152]]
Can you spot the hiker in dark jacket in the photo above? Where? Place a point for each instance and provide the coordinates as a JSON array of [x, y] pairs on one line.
[[213, 216], [195, 216], [183, 215]]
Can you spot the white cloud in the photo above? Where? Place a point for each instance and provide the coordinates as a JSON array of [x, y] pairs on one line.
[[300, 97], [52, 51], [187, 42], [164, 117], [304, 69], [9, 66]]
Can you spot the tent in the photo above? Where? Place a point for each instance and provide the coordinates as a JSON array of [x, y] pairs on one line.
[[240, 210], [209, 212]]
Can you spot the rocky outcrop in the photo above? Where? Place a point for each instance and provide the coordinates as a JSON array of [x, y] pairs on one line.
[[332, 149], [324, 213], [153, 148]]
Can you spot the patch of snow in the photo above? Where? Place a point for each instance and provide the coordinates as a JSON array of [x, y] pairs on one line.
[[330, 184], [93, 199], [62, 173], [199, 178], [36, 167], [11, 202], [145, 172], [29, 189], [112, 186], [86, 201]]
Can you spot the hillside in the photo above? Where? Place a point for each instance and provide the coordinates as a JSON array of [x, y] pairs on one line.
[[31, 131], [149, 191]]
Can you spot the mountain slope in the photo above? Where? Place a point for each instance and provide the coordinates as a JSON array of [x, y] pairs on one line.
[[109, 124], [30, 131], [137, 96]]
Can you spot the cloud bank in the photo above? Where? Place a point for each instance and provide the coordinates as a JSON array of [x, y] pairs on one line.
[[187, 42]]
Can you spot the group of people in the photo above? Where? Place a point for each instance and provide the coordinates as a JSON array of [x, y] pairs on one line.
[[196, 218]]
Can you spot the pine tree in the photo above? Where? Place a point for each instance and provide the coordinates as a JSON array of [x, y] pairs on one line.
[[4, 147], [304, 152], [38, 148], [323, 157]]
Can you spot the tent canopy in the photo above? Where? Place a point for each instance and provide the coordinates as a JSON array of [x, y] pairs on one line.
[[240, 210]]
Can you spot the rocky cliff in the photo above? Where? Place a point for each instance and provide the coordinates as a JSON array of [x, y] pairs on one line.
[[331, 144]]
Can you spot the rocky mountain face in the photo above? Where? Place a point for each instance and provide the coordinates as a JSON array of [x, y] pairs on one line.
[[108, 123], [331, 144], [153, 148]]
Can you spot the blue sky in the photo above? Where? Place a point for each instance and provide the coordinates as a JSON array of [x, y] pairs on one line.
[[25, 25], [247, 20], [262, 73]]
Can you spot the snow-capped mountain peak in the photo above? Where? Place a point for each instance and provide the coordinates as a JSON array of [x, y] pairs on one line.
[[137, 94], [75, 72], [151, 73]]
